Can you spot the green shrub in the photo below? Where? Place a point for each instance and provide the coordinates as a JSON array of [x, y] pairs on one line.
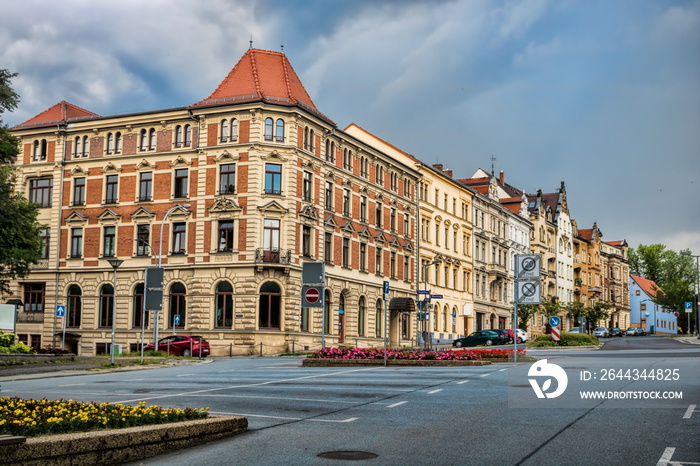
[[567, 339], [8, 344]]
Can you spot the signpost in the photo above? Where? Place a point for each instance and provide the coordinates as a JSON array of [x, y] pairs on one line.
[[313, 290], [526, 288], [554, 322], [61, 312], [386, 320]]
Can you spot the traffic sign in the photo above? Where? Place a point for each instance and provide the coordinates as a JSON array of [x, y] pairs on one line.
[[386, 287], [436, 296], [528, 291], [60, 310], [527, 265], [554, 321], [312, 295], [423, 291], [555, 333], [176, 320], [688, 306]]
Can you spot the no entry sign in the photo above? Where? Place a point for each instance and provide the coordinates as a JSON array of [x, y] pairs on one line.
[[311, 296]]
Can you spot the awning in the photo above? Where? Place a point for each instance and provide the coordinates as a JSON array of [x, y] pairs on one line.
[[402, 304]]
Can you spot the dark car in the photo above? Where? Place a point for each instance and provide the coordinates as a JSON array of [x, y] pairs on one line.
[[616, 332], [182, 345], [641, 332], [505, 336], [482, 337]]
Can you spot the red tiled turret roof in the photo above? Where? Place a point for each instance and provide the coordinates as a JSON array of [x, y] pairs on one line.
[[262, 75], [59, 114]]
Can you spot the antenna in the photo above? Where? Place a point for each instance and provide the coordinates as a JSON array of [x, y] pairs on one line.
[[282, 47], [493, 169], [251, 41]]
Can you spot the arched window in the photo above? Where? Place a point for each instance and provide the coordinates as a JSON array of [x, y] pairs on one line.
[[436, 309], [361, 316], [143, 140], [224, 305], [445, 311], [74, 306], [279, 130], [224, 131], [110, 143], [138, 312], [378, 318], [35, 153], [268, 129], [86, 146], [311, 140], [78, 147], [178, 136], [327, 312], [306, 138], [177, 305], [106, 300], [269, 306], [188, 135], [234, 130], [118, 142], [152, 139]]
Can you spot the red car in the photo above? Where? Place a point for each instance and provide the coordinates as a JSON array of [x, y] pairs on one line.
[[182, 345]]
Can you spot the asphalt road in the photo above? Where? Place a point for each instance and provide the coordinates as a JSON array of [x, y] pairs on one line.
[[417, 415]]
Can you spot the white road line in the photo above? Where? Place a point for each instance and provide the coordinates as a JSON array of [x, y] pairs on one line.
[[350, 419], [689, 412], [463, 381], [435, 391], [270, 382], [184, 375], [501, 370], [485, 375], [666, 457], [397, 404], [72, 385]]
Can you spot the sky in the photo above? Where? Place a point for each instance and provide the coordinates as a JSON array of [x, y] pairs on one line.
[[601, 94]]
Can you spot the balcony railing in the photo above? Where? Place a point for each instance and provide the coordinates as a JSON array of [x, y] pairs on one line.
[[30, 317], [277, 256]]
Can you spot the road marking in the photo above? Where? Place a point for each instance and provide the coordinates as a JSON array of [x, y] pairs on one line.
[[184, 375], [666, 457], [350, 419], [501, 370], [435, 391], [72, 385], [689, 412], [485, 375], [269, 382], [463, 381], [397, 404]]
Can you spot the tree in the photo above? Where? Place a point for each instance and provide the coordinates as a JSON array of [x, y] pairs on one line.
[[525, 313], [597, 312], [577, 310], [675, 274], [20, 240]]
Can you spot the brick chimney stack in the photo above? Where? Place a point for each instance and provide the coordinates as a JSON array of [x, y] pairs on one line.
[[447, 172], [502, 177], [437, 166]]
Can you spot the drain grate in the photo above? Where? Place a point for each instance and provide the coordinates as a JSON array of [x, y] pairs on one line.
[[348, 455]]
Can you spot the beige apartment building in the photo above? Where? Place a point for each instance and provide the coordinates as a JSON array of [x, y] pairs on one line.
[[445, 238], [230, 195], [616, 273]]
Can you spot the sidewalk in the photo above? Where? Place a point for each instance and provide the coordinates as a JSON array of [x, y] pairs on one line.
[[689, 340]]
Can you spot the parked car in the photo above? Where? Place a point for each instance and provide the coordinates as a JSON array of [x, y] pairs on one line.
[[616, 332], [641, 332], [182, 345], [522, 335], [601, 332], [573, 330], [631, 332], [505, 337], [482, 337]]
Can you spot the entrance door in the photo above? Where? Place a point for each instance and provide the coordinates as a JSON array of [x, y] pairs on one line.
[[341, 327]]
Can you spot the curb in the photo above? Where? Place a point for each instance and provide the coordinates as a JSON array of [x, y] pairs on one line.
[[116, 446]]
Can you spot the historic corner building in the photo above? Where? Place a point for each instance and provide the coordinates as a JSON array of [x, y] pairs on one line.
[[230, 195]]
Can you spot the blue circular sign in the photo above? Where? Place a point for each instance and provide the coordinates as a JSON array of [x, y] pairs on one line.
[[554, 321]]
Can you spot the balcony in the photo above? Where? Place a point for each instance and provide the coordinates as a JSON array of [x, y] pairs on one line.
[[32, 317], [270, 256]]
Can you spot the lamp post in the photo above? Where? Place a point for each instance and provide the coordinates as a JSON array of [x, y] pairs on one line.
[[697, 287], [160, 264], [115, 263], [426, 306]]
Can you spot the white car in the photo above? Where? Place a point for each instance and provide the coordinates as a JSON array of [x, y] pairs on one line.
[[601, 332], [522, 335]]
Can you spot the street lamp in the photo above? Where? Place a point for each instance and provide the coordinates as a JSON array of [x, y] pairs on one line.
[[697, 286], [426, 305], [115, 263]]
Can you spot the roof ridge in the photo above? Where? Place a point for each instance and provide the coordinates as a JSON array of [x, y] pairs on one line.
[[254, 69]]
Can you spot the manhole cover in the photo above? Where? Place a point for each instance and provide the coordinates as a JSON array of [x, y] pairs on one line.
[[348, 455]]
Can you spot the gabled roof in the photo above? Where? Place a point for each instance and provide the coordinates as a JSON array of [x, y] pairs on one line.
[[59, 114], [648, 286], [586, 234], [262, 75]]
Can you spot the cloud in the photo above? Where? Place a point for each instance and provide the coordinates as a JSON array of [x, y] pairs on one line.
[[678, 24]]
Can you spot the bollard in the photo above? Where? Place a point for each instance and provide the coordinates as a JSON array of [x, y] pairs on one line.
[[230, 350], [292, 346], [260, 349]]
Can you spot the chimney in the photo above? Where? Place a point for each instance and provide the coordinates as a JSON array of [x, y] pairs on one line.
[[447, 172], [437, 166], [502, 177]]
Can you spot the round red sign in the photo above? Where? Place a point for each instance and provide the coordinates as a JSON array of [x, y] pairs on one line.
[[312, 295]]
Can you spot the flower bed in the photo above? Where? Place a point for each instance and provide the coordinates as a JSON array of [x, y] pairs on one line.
[[34, 417], [413, 354]]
